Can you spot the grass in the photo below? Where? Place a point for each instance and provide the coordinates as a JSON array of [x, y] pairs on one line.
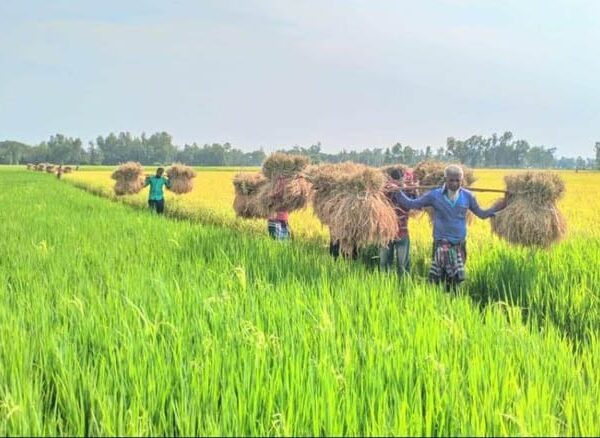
[[118, 322]]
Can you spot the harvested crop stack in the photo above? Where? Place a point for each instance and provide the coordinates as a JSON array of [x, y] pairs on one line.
[[283, 193], [431, 173], [40, 167], [67, 169], [129, 178], [285, 189], [279, 164], [50, 168], [350, 199], [325, 180], [531, 217], [181, 178], [30, 166], [247, 202]]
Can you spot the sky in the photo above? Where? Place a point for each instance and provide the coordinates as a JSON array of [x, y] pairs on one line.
[[277, 73]]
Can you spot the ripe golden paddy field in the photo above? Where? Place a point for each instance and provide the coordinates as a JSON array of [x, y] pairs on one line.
[[212, 198]]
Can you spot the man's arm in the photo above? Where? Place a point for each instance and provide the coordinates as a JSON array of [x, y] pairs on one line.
[[406, 203], [480, 212], [167, 182]]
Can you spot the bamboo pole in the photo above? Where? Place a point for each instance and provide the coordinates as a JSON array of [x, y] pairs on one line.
[[472, 189]]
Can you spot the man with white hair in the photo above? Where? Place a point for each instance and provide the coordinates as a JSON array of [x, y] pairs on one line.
[[450, 204]]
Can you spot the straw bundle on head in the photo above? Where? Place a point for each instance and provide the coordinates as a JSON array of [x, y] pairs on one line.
[[279, 164], [285, 189], [287, 194], [349, 198], [129, 178], [181, 178], [247, 202], [50, 168], [531, 217], [327, 180]]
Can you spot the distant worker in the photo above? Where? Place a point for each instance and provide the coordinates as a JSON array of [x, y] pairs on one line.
[[278, 225], [59, 171], [398, 249], [156, 197], [450, 203]]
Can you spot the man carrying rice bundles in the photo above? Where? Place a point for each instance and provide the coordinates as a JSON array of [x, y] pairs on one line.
[[450, 204]]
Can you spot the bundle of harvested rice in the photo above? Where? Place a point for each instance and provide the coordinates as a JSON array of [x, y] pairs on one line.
[[129, 178], [327, 179], [40, 167], [247, 202], [531, 217], [181, 178], [279, 164], [67, 169], [286, 188], [30, 166], [350, 199], [285, 193], [50, 168], [431, 173]]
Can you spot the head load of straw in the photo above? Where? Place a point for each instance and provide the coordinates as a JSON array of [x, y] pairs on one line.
[[350, 199], [531, 217], [286, 188], [284, 165], [247, 202], [129, 178], [181, 178]]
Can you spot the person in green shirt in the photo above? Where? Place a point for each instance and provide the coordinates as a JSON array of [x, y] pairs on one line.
[[156, 198]]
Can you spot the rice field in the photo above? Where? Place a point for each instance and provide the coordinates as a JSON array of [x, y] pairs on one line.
[[118, 322]]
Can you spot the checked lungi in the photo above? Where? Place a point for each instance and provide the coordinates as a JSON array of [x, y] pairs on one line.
[[278, 230], [448, 262]]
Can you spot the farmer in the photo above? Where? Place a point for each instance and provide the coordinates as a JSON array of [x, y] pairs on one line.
[[450, 204], [156, 198], [278, 225], [59, 171], [399, 248]]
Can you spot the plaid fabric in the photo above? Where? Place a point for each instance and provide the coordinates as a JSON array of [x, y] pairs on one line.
[[278, 230], [448, 261]]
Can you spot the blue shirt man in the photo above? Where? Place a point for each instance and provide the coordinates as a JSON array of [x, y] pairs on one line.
[[450, 204]]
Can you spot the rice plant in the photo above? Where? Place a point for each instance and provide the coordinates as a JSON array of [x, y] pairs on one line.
[[115, 321]]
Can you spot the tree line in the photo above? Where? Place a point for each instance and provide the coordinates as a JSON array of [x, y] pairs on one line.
[[476, 151]]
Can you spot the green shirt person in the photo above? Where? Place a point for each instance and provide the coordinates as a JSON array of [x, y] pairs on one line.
[[156, 198]]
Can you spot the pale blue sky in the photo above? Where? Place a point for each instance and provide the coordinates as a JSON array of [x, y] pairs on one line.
[[273, 73]]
